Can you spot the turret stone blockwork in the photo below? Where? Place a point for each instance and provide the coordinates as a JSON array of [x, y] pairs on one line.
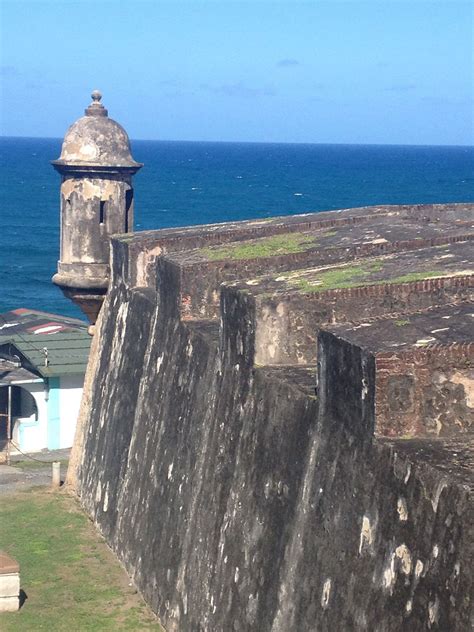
[[281, 439], [96, 202]]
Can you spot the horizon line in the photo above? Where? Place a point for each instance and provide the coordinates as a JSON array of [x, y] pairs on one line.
[[257, 142]]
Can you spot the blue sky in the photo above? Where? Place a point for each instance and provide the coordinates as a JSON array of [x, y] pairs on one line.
[[321, 72]]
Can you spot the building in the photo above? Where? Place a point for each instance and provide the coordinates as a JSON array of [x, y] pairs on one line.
[[43, 359]]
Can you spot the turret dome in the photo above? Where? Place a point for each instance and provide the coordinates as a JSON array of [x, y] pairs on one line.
[[95, 140]]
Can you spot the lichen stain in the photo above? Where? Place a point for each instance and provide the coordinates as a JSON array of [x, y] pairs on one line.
[[468, 382], [366, 535], [402, 510], [400, 559], [326, 593], [403, 554], [433, 608], [418, 568]]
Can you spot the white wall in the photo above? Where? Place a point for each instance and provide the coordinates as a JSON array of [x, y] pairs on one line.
[[69, 402], [31, 434]]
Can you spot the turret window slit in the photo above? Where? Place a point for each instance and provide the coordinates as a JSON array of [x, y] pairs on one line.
[[102, 212]]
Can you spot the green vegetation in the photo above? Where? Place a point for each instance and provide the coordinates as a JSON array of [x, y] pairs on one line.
[[355, 276], [349, 276], [401, 323], [285, 244], [71, 579], [417, 276], [36, 464]]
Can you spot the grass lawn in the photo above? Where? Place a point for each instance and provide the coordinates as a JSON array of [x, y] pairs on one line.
[[71, 579]]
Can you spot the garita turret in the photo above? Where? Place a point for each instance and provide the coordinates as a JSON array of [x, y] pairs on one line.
[[96, 167]]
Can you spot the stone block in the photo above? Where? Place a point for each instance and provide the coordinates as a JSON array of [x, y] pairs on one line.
[[9, 604], [9, 585], [421, 373]]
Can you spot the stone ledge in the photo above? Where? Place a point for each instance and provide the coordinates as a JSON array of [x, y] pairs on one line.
[[402, 380]]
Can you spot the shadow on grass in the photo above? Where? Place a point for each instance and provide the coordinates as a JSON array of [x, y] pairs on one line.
[[23, 597]]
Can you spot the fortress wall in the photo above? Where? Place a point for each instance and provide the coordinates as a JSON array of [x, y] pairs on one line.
[[238, 501]]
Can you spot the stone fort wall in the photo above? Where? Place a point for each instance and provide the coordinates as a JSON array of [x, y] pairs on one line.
[[242, 447]]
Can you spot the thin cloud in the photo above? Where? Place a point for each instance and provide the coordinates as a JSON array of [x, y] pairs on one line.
[[285, 63], [9, 71], [401, 87], [169, 83], [239, 90]]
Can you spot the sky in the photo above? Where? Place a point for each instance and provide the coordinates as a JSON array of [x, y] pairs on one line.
[[383, 71]]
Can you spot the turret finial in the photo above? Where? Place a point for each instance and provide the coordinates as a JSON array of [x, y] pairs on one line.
[[96, 108]]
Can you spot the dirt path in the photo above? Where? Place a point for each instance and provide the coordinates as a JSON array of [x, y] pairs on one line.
[[32, 470]]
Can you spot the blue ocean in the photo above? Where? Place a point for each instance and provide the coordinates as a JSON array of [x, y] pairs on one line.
[[197, 182]]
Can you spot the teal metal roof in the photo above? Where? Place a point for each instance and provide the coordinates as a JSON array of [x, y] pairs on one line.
[[53, 345]]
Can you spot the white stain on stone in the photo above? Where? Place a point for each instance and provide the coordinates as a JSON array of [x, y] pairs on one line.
[[365, 388], [418, 568], [326, 593], [401, 559], [98, 492], [159, 362], [389, 575], [433, 608], [403, 554], [407, 477], [170, 472], [105, 506], [236, 574], [402, 510], [366, 534], [409, 606], [437, 494], [435, 551], [424, 341]]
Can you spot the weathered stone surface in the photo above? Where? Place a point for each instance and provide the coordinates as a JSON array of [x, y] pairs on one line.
[[423, 369], [235, 498]]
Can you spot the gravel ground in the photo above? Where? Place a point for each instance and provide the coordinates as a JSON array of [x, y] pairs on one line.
[[31, 470]]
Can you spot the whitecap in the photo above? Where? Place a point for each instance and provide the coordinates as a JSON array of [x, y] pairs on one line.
[[298, 194]]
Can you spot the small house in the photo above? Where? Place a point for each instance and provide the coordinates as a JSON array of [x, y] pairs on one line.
[[43, 359]]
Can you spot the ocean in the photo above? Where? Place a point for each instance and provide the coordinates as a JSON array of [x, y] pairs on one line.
[[186, 183]]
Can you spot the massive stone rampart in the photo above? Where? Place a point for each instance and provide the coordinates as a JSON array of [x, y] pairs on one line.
[[238, 454]]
